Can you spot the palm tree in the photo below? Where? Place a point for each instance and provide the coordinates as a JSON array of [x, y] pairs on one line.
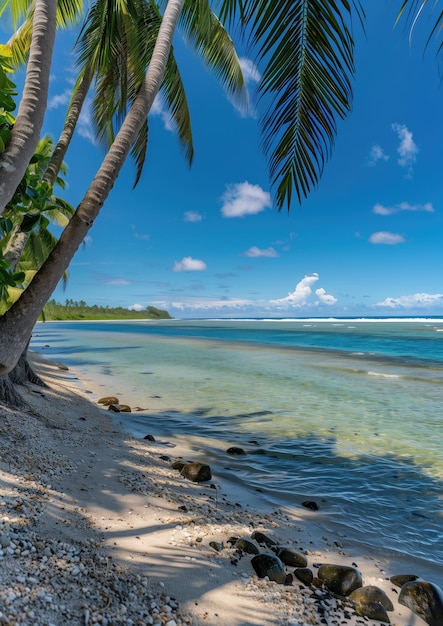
[[307, 49], [26, 131], [22, 319]]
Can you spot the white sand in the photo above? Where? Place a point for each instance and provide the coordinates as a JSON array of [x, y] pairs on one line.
[[126, 538]]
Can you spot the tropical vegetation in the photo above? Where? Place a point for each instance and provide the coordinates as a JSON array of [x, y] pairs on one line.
[[304, 48], [73, 310]]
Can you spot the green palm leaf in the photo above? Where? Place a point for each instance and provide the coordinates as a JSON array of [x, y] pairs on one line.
[[412, 11], [306, 47]]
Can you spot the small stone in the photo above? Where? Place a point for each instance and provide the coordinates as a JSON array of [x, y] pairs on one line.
[[235, 450], [196, 472], [107, 400], [269, 565], [246, 546]]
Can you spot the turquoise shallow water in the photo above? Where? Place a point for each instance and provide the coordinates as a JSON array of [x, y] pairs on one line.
[[344, 412]]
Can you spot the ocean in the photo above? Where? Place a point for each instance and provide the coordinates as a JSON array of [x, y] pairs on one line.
[[346, 413]]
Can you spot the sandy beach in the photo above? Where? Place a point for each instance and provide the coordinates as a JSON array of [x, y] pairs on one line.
[[97, 527]]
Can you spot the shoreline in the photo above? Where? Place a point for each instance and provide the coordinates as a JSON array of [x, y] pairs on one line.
[[96, 485]]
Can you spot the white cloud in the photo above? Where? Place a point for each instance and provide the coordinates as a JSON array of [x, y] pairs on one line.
[[379, 209], [407, 150], [324, 297], [192, 216], [59, 100], [257, 252], [377, 154], [301, 296], [390, 239], [159, 109], [188, 264], [136, 307], [244, 199], [417, 300], [85, 126], [250, 71]]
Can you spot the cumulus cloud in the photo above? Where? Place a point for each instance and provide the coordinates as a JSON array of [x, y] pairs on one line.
[[324, 297], [136, 307], [377, 154], [379, 209], [243, 199], [384, 237], [301, 296], [257, 252], [188, 264], [417, 300], [407, 150], [192, 216]]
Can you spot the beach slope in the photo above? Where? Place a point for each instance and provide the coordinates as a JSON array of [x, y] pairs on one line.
[[96, 527]]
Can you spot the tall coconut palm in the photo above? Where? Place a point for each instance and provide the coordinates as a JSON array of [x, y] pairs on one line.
[[308, 48], [26, 131], [19, 321]]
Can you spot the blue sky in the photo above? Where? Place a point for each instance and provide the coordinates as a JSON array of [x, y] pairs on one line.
[[208, 242]]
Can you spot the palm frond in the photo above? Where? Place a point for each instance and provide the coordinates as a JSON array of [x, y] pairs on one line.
[[20, 42], [306, 48], [138, 152], [210, 39], [174, 95], [412, 11], [120, 49]]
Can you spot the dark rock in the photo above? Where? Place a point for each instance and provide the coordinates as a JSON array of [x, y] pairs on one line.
[[373, 610], [261, 538], [371, 593], [197, 472], [125, 408], [310, 504], [425, 599], [232, 540], [246, 546], [149, 437], [115, 408], [215, 545], [108, 400], [165, 457], [304, 574], [269, 565], [235, 450], [340, 579], [291, 557], [178, 465], [63, 367], [401, 579]]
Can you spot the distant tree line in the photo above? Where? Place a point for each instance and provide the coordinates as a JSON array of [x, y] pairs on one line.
[[72, 310]]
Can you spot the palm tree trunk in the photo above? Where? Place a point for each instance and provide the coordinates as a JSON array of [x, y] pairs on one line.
[[72, 116], [15, 246], [17, 323], [29, 120]]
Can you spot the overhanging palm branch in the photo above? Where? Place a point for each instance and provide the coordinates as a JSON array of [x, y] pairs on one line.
[[413, 10], [120, 49], [68, 13], [306, 47]]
